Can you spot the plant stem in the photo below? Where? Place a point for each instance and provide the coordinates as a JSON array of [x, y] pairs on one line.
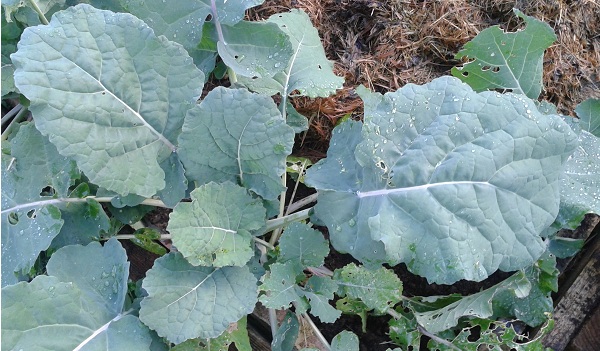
[[37, 9], [11, 113], [280, 222], [317, 331], [213, 9], [149, 202], [21, 114], [301, 203], [436, 338]]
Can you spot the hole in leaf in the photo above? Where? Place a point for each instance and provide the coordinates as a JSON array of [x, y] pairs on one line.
[[319, 66], [13, 218], [496, 69], [48, 191], [283, 26], [464, 74], [209, 18], [31, 214], [103, 93], [485, 68]]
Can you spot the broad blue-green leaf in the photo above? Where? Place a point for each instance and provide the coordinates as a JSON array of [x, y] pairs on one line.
[[187, 302], [183, 23], [80, 308], [345, 341], [287, 333], [589, 116], [294, 119], [138, 85], [238, 136], [303, 246], [254, 49], [378, 289], [103, 279], [309, 71], [511, 61], [580, 182], [83, 223], [29, 220], [215, 228], [454, 183]]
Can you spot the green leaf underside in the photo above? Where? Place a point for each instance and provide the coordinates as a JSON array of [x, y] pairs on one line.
[[510, 61], [75, 309], [215, 228], [287, 333], [242, 138], [28, 227], [378, 289], [454, 183], [186, 302], [130, 78], [308, 72]]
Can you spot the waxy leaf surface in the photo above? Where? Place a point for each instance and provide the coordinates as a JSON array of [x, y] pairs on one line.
[[80, 307], [454, 183], [187, 302], [136, 88], [29, 222], [511, 61], [215, 228], [237, 136]]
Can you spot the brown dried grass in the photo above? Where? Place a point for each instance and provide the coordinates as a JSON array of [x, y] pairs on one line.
[[387, 44]]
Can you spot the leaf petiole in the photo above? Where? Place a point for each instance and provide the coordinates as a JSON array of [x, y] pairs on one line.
[[281, 222], [37, 9]]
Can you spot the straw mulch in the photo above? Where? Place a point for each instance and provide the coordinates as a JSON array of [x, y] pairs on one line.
[[387, 44]]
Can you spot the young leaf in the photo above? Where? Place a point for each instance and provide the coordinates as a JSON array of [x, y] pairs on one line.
[[215, 228], [236, 333], [473, 162], [589, 116], [303, 246], [83, 223], [511, 61], [319, 291], [29, 223], [243, 139], [345, 341], [187, 302], [96, 55], [281, 287], [378, 290], [404, 332]]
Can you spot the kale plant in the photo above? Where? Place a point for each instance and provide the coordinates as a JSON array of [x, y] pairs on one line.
[[453, 178]]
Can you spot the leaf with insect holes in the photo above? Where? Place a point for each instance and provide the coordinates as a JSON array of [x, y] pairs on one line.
[[29, 222], [507, 61], [303, 246], [243, 139], [131, 79], [378, 289], [215, 229], [454, 183], [186, 302]]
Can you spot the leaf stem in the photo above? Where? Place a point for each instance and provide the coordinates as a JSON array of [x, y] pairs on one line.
[[280, 222], [11, 113], [436, 338], [301, 203], [21, 114], [149, 202], [37, 9], [317, 331], [213, 8]]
